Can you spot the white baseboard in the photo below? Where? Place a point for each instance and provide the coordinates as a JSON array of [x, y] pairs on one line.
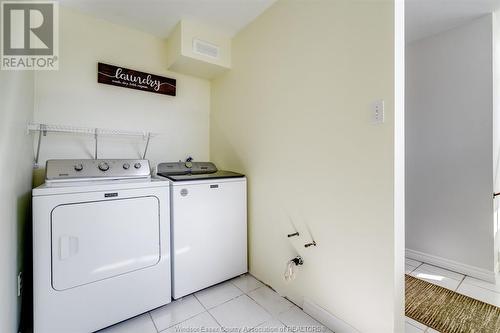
[[326, 318], [469, 270]]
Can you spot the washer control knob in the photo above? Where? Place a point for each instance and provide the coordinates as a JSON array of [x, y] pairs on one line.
[[126, 166], [103, 166], [188, 164], [137, 165], [79, 167]]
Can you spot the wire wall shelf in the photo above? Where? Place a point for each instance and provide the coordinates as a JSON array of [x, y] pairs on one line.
[[44, 129]]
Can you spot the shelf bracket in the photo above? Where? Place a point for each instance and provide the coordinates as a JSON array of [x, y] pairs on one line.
[[95, 148], [147, 145], [42, 132]]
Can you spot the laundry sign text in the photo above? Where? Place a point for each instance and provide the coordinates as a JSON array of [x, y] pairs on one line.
[[132, 79]]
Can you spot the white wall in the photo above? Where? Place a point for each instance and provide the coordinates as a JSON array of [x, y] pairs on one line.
[[294, 115], [449, 133], [496, 131], [16, 154], [72, 96]]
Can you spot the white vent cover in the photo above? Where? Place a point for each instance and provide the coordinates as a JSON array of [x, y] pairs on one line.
[[206, 49]]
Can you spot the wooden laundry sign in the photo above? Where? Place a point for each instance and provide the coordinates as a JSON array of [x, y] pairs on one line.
[[132, 79]]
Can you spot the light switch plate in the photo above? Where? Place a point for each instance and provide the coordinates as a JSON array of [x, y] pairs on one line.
[[377, 111]]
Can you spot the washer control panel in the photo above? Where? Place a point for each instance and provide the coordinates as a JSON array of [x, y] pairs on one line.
[[185, 168], [65, 170]]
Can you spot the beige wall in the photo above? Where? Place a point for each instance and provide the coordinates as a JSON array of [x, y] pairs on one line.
[[72, 96], [293, 114], [16, 154]]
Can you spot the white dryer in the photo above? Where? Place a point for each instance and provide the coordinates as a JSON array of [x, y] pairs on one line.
[[208, 225], [101, 244]]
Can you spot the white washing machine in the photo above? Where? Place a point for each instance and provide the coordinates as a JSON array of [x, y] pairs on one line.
[[101, 244], [208, 225]]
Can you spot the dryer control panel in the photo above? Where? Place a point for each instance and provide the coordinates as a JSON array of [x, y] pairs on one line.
[[78, 170]]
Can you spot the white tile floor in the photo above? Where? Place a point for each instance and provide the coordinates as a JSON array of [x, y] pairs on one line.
[[232, 306], [246, 303], [466, 285]]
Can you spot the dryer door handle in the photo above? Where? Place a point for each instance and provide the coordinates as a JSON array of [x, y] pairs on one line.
[[68, 246]]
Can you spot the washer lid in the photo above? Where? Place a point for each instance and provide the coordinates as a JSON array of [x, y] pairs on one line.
[[98, 186], [215, 175]]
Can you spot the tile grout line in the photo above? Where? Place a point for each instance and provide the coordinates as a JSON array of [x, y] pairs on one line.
[[164, 330], [412, 270], [211, 315], [203, 305], [445, 269], [290, 308], [154, 324], [220, 325], [421, 264], [473, 297], [242, 293], [425, 263], [413, 267], [224, 282], [462, 281], [247, 293], [182, 298], [269, 313], [229, 300], [272, 316], [483, 288], [250, 297]]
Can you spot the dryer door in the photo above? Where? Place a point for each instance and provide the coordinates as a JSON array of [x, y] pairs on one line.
[[92, 241]]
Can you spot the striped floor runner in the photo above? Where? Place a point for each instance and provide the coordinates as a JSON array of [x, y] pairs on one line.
[[447, 311]]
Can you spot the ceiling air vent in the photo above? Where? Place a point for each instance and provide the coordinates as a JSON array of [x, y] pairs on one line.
[[206, 49]]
